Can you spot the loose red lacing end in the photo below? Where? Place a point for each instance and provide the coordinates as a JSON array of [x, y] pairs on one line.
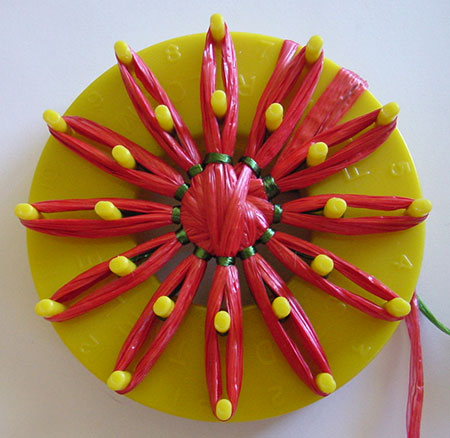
[[416, 382]]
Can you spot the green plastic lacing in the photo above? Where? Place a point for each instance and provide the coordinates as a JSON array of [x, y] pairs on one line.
[[268, 234], [182, 236], [217, 157], [181, 191], [250, 162], [176, 215], [225, 261], [246, 253], [277, 212], [424, 309], [270, 186], [201, 253], [194, 170]]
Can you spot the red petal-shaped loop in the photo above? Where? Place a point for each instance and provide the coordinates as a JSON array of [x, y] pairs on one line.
[[285, 343], [139, 178], [226, 287], [359, 277], [353, 152], [120, 285], [292, 214], [219, 139], [280, 248], [98, 272], [192, 279], [153, 87], [282, 79], [302, 324], [143, 325], [145, 112], [277, 139], [109, 138], [150, 215]]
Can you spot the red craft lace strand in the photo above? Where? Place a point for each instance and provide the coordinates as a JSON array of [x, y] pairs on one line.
[[416, 380]]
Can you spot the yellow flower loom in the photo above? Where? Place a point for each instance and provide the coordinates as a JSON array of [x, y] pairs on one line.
[[176, 384]]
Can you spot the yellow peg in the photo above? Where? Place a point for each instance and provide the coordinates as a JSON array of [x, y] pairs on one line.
[[163, 307], [397, 307], [118, 380], [281, 307], [313, 48], [326, 382], [322, 265], [317, 153], [48, 308], [219, 103], [55, 121], [121, 266], [164, 118], [335, 208], [26, 212], [388, 113], [224, 409], [419, 208], [123, 52], [222, 321], [123, 157], [274, 116], [107, 210], [217, 27]]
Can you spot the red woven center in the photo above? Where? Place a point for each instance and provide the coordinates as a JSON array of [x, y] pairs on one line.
[[208, 207]]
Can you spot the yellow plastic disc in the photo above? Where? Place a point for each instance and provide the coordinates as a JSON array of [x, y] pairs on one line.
[[176, 384]]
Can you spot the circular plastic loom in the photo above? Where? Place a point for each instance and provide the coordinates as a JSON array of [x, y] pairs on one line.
[[176, 384]]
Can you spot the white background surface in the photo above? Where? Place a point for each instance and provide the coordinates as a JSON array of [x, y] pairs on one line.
[[51, 50]]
